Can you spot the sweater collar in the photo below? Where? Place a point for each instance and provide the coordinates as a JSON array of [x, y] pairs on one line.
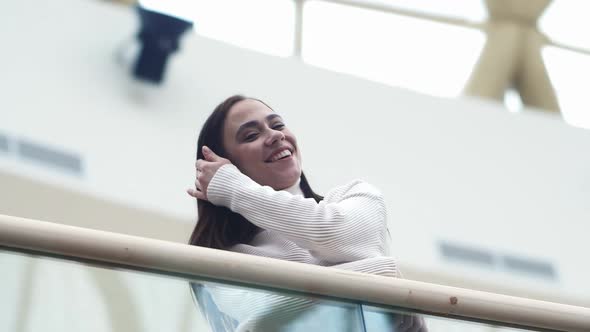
[[295, 189]]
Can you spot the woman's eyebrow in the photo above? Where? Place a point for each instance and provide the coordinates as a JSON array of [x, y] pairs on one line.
[[272, 116]]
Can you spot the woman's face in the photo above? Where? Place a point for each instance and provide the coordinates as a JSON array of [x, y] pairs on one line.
[[260, 145]]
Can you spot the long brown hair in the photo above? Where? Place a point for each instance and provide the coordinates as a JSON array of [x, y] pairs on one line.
[[217, 226]]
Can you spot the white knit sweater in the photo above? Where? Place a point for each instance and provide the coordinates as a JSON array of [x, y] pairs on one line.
[[346, 230]]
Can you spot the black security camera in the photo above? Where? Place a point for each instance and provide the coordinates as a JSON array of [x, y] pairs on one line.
[[159, 36]]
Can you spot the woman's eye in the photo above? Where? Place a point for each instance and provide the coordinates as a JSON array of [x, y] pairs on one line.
[[251, 137], [278, 126]]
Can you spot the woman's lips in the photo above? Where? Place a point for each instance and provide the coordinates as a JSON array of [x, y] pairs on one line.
[[279, 154]]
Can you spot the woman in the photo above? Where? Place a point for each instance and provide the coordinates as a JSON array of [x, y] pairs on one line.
[[253, 198]]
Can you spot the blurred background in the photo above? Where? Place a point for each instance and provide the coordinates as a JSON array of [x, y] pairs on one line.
[[471, 116]]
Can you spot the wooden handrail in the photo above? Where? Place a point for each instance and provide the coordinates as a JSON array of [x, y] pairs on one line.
[[75, 243]]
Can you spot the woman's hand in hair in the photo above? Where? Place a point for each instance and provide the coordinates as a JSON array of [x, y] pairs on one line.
[[206, 169]]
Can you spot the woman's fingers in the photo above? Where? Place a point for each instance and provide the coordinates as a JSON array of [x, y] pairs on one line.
[[199, 164], [206, 169], [196, 194], [201, 195]]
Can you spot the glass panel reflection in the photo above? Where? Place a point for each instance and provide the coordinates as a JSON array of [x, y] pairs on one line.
[[49, 294], [378, 319], [231, 308]]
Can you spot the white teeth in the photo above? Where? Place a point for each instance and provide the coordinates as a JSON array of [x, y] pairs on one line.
[[280, 155]]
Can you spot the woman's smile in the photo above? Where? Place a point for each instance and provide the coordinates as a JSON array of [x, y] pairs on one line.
[[279, 154]]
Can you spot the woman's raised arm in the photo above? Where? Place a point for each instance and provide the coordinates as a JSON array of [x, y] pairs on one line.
[[348, 225]]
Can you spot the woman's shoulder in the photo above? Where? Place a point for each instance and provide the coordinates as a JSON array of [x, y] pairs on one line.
[[355, 187]]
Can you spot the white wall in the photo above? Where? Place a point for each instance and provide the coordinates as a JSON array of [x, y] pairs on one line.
[[454, 170]]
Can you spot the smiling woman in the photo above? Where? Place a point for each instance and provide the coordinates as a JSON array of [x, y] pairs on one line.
[[248, 134], [253, 198]]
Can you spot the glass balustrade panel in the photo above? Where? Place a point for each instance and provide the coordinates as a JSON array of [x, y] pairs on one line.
[[55, 294]]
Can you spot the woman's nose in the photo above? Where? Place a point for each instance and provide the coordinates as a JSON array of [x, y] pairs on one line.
[[275, 136]]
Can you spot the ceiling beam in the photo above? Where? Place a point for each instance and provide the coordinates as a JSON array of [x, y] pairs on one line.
[[512, 55]]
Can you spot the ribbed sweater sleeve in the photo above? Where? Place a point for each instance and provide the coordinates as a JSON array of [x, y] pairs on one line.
[[348, 225]]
